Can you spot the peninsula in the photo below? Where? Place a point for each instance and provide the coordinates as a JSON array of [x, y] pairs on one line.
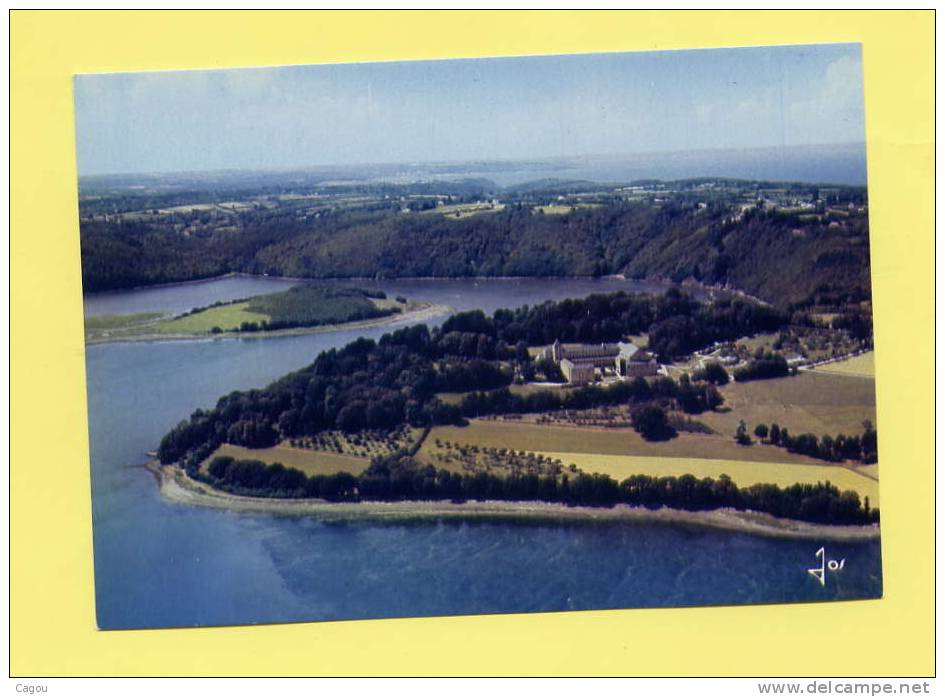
[[637, 409], [306, 308]]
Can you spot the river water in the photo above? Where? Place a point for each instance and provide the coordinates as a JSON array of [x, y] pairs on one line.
[[160, 564]]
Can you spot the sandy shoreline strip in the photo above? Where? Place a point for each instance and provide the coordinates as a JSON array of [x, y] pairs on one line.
[[420, 314], [176, 486]]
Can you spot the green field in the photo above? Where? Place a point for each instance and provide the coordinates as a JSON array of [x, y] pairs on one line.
[[226, 317], [300, 306], [862, 366], [309, 461], [317, 304]]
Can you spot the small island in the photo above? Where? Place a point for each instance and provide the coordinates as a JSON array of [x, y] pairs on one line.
[[306, 308]]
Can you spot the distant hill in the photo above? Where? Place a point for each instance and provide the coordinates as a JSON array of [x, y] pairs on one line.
[[781, 256]]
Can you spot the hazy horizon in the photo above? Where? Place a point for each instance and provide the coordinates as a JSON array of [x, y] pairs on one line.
[[488, 161], [469, 110], [837, 163]]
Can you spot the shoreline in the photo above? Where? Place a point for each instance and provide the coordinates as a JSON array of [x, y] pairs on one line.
[[428, 311], [177, 487]]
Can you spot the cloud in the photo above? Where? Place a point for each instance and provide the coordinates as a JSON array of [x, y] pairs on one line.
[[832, 109]]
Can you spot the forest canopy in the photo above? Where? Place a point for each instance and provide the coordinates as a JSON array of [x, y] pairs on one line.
[[786, 258]]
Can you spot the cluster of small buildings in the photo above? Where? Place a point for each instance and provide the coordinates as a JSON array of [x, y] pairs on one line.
[[584, 363]]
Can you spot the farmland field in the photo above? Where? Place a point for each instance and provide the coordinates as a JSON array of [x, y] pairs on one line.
[[226, 317], [858, 366], [467, 210], [743, 473], [624, 441], [810, 402], [622, 452], [556, 209], [309, 461]]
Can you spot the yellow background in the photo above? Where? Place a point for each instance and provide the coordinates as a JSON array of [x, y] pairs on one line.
[[52, 600]]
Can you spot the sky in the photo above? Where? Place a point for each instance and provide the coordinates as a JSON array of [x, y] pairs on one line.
[[476, 109]]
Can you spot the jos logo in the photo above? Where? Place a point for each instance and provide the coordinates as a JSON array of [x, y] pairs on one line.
[[820, 572]]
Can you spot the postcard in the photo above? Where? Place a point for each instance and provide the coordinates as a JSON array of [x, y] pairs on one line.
[[496, 335]]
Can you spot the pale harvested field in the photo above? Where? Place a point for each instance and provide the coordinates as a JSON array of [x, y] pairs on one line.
[[622, 441], [862, 366], [556, 209], [388, 303], [810, 402], [309, 461], [467, 210], [743, 473]]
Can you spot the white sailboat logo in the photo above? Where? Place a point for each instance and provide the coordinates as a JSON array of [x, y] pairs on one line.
[[820, 572]]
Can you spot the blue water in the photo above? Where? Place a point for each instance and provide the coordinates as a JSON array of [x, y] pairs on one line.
[[175, 298], [843, 163], [159, 564], [459, 293]]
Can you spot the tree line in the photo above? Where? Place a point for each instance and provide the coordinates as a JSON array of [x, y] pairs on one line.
[[399, 478], [840, 448], [676, 323]]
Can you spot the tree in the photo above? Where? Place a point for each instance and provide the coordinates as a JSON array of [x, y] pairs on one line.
[[868, 443], [715, 373], [761, 431], [713, 398], [651, 423], [741, 434]]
